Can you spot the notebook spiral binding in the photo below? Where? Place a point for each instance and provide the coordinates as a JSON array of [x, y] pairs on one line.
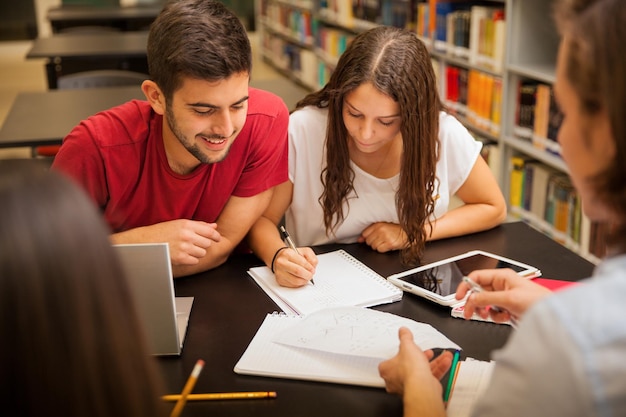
[[367, 270]]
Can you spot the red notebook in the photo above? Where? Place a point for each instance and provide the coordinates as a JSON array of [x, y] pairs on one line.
[[554, 284]]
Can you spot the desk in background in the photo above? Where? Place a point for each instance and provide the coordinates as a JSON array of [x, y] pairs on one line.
[[70, 53], [125, 18], [229, 307], [46, 117]]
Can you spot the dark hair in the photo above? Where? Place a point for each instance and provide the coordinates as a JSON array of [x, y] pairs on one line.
[[397, 63], [595, 32], [72, 344], [201, 39]]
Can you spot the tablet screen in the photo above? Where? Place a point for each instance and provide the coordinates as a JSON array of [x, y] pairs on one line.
[[444, 279]]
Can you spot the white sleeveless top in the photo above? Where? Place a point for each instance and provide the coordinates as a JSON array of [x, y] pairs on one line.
[[373, 199]]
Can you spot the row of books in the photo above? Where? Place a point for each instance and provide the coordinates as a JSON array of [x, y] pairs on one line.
[[363, 13], [547, 198], [294, 22], [474, 95], [537, 118], [302, 63], [331, 42], [466, 30]]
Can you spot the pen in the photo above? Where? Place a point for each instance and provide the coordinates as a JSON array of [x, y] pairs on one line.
[[290, 243], [475, 287], [191, 381], [452, 374], [223, 396]]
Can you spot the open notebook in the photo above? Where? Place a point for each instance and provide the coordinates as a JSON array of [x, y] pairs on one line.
[[340, 280], [342, 345]]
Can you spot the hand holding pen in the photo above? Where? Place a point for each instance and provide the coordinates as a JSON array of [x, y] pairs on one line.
[[476, 288], [502, 290], [290, 270]]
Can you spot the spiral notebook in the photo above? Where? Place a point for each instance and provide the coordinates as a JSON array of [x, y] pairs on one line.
[[340, 280]]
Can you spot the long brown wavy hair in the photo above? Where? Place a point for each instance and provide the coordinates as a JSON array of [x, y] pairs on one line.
[[397, 63], [596, 32], [73, 343]]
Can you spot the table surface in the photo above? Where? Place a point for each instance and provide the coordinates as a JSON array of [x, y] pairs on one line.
[[78, 13], [46, 117], [90, 45], [229, 307]]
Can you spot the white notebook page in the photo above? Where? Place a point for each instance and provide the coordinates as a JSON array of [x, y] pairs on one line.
[[340, 280]]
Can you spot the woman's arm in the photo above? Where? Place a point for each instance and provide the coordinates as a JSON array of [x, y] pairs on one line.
[[484, 205], [291, 269]]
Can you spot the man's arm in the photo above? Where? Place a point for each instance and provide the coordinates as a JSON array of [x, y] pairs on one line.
[[233, 224], [197, 246]]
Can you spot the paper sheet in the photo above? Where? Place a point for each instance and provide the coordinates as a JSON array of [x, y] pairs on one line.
[[471, 382], [358, 331]]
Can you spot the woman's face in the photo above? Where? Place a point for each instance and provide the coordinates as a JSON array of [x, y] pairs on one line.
[[587, 144], [372, 119]]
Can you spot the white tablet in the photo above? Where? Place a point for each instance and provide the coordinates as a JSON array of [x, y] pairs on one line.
[[438, 281]]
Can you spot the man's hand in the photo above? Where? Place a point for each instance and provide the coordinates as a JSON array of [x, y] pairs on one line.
[[188, 240]]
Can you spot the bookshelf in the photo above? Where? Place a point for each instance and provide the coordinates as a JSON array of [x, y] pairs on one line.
[[495, 62]]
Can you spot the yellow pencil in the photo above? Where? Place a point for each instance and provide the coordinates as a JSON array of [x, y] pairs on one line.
[[222, 396], [191, 381]]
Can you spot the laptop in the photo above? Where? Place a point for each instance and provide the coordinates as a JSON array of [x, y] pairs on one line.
[[164, 316]]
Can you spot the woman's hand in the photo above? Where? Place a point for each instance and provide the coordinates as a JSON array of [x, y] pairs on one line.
[[503, 288], [293, 270]]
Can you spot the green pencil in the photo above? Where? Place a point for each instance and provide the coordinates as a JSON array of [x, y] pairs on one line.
[[455, 363]]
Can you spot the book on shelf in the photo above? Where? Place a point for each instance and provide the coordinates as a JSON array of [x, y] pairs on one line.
[[484, 94], [446, 15], [540, 174], [525, 112], [368, 10], [491, 153], [421, 21], [487, 31], [537, 117], [517, 169], [541, 112], [396, 13], [339, 11], [559, 205]]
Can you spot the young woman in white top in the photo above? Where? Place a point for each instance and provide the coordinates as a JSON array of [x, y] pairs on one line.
[[373, 158], [567, 356]]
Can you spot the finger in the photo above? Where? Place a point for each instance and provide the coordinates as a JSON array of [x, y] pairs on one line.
[[441, 364], [405, 336], [309, 255], [496, 279], [207, 231], [290, 281], [462, 290]]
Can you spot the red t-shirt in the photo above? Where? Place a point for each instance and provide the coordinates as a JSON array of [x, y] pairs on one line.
[[119, 158]]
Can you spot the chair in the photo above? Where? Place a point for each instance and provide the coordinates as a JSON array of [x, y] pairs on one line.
[[100, 78], [91, 79]]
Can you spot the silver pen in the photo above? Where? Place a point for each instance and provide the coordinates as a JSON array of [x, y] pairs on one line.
[[475, 287]]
